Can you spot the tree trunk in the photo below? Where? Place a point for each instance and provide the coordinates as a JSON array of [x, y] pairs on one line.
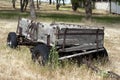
[[26, 3], [110, 5], [88, 9], [38, 4], [23, 5], [57, 4], [50, 1], [93, 4], [63, 2], [32, 10], [13, 2]]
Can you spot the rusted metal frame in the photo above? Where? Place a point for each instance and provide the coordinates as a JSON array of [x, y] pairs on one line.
[[27, 42], [18, 25], [73, 29], [32, 30], [57, 36], [35, 29], [79, 34], [48, 40], [64, 39], [58, 31], [79, 54], [97, 42], [98, 70], [113, 75], [29, 27], [103, 35]]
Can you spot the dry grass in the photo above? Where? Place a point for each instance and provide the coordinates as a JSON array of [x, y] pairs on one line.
[[17, 64]]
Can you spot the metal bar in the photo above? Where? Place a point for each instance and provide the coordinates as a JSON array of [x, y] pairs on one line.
[[18, 25], [48, 40], [58, 31], [79, 33], [98, 70], [63, 47], [90, 65], [20, 31], [103, 35], [79, 54], [114, 75], [97, 32], [77, 29]]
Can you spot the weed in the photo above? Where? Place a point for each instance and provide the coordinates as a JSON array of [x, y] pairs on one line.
[[53, 58]]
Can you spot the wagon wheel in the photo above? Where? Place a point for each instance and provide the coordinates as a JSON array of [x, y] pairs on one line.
[[40, 53], [12, 40]]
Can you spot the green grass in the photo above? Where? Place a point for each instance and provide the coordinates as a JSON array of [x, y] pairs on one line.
[[12, 14], [61, 17], [107, 19]]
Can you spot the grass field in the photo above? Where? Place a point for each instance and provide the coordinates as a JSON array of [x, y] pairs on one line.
[[17, 64]]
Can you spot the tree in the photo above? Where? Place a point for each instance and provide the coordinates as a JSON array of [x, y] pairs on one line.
[[57, 4], [75, 4], [63, 2], [32, 10], [38, 4], [26, 3], [110, 5], [23, 5], [13, 2], [50, 1], [88, 9]]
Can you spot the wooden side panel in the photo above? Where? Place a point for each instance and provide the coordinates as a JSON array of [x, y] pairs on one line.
[[82, 37]]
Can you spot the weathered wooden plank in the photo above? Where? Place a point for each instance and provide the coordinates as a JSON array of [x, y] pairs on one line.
[[82, 47], [68, 42], [80, 39]]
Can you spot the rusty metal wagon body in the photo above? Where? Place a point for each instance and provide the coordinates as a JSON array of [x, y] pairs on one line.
[[68, 38]]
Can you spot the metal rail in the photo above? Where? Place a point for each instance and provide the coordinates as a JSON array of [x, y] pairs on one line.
[[109, 74], [79, 54]]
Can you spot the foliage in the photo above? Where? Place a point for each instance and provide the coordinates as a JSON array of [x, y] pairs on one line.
[[74, 1], [53, 58]]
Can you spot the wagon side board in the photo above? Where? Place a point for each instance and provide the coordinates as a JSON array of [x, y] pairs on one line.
[[66, 37]]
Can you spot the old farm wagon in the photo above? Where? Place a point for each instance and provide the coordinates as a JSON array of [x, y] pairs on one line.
[[71, 40]]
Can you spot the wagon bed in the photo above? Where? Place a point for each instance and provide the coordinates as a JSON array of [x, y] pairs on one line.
[[68, 38]]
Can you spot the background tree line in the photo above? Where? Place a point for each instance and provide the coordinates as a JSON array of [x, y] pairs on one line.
[[87, 4]]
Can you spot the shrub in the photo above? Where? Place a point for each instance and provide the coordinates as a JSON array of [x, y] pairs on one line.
[[53, 57]]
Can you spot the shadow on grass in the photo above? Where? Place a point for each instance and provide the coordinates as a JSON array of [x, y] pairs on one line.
[[107, 19], [14, 14]]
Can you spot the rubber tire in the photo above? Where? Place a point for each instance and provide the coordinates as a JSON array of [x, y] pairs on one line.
[[12, 40], [41, 50]]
